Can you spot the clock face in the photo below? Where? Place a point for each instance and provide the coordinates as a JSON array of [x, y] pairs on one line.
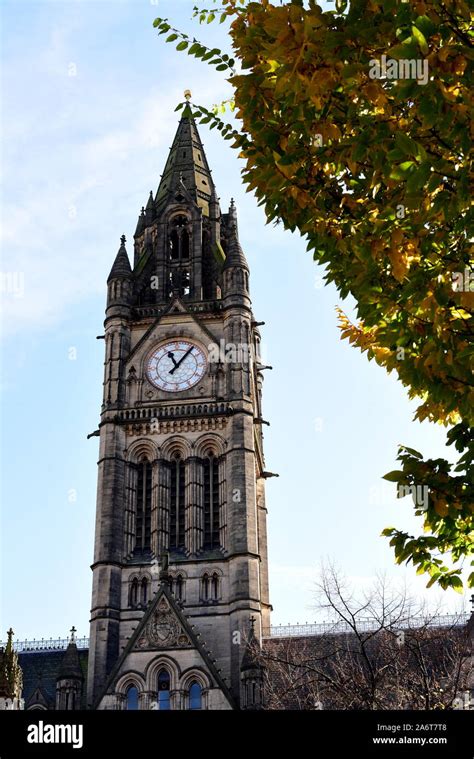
[[176, 365]]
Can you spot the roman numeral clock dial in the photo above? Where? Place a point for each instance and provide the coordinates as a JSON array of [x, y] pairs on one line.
[[176, 366]]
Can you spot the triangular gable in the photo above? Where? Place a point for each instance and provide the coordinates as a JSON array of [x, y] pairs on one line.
[[38, 698], [182, 193], [164, 627], [176, 306]]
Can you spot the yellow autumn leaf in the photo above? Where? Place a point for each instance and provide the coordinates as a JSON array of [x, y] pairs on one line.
[[399, 264]]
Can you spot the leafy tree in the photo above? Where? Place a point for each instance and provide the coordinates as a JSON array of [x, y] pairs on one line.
[[355, 129]]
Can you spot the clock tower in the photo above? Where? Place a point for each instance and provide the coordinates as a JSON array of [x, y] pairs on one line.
[[180, 574]]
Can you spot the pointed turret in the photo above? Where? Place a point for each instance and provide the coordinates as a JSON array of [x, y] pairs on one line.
[[234, 255], [121, 268], [140, 223], [120, 283], [150, 210], [11, 676], [70, 678], [252, 672], [236, 268], [70, 665]]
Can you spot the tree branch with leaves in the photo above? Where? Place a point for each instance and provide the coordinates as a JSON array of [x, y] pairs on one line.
[[375, 171]]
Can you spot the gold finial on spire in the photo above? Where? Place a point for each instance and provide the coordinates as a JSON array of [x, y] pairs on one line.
[[187, 95]]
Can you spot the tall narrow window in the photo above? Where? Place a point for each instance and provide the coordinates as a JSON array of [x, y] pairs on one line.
[[215, 586], [143, 515], [177, 505], [174, 246], [144, 593], [211, 503], [164, 690], [134, 592], [184, 244], [179, 239], [205, 587], [195, 696], [131, 700], [179, 587]]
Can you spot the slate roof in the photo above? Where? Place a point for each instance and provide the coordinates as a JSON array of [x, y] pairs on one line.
[[41, 670]]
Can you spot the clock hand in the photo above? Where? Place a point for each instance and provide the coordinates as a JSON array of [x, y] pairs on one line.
[[181, 360], [171, 356]]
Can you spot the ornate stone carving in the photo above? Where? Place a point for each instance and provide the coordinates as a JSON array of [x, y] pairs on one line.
[[178, 425], [163, 630]]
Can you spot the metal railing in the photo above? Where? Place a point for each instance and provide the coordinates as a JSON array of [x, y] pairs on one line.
[[46, 644], [276, 631], [363, 625]]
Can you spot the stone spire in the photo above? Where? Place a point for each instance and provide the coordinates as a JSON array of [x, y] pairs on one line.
[[11, 676], [141, 223], [186, 169], [252, 671], [150, 210], [252, 650], [234, 255], [121, 268], [70, 678], [70, 667]]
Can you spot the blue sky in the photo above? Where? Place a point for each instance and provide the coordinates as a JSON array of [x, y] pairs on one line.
[[88, 93]]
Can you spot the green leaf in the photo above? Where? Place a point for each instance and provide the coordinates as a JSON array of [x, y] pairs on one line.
[[182, 45], [211, 54], [434, 579], [406, 144], [402, 170], [408, 49], [394, 476], [456, 583], [171, 38], [425, 25], [420, 38], [417, 454]]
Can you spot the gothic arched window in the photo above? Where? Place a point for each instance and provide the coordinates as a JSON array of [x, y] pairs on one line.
[[205, 587], [215, 586], [174, 246], [131, 699], [179, 239], [134, 592], [164, 690], [144, 592], [211, 503], [143, 512], [179, 588], [195, 696], [177, 504]]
